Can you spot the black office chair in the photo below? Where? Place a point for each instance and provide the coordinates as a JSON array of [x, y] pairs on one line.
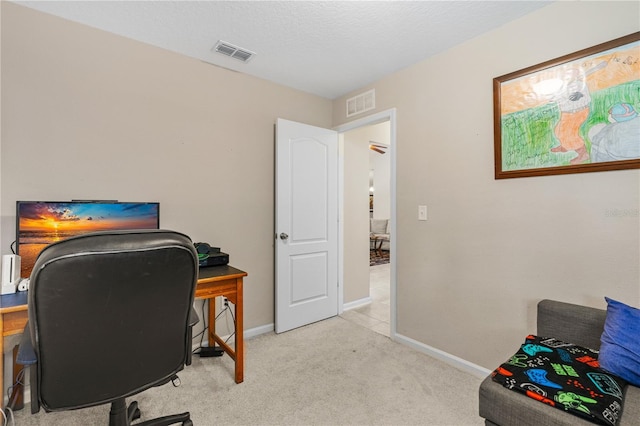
[[110, 316]]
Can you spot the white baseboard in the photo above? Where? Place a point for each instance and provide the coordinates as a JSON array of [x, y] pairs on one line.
[[257, 331], [356, 303], [248, 334], [452, 360]]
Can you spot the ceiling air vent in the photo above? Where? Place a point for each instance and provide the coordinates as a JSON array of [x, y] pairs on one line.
[[364, 102], [233, 51]]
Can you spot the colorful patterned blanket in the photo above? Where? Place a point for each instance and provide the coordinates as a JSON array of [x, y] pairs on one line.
[[565, 376]]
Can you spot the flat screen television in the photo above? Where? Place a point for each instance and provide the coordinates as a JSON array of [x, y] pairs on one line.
[[40, 223]]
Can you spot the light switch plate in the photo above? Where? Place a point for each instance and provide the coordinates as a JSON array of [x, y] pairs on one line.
[[422, 212]]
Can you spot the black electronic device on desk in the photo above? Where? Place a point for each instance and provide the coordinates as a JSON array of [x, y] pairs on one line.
[[210, 256]]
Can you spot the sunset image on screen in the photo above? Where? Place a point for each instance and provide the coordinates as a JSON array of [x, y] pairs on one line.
[[43, 223]]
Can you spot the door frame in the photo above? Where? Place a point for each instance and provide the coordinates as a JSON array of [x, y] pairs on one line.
[[387, 115]]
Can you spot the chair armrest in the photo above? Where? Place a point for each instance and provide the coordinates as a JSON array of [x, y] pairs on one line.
[[26, 353], [193, 320], [193, 317]]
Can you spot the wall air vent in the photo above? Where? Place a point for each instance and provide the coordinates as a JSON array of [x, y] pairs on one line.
[[233, 51], [360, 103]]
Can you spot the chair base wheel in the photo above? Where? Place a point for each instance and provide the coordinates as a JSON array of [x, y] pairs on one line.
[[121, 415]]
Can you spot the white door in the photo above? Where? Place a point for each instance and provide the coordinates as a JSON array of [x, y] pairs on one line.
[[306, 224]]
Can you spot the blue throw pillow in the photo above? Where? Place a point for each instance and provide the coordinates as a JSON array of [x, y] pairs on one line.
[[620, 342]]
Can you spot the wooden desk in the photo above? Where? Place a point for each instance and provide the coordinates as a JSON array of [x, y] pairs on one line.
[[224, 281], [212, 282], [13, 318]]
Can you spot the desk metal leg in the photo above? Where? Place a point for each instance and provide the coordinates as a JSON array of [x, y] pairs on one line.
[[16, 400], [239, 333], [212, 321]]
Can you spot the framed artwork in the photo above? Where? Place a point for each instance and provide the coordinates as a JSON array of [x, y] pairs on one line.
[[574, 114]]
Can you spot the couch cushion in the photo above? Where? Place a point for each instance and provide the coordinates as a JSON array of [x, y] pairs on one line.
[[505, 407], [378, 226], [631, 404], [564, 376], [620, 347], [560, 320]]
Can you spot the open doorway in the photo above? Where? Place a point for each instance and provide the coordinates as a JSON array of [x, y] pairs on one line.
[[369, 206], [377, 313]]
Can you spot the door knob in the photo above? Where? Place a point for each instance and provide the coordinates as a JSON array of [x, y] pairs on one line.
[[283, 236]]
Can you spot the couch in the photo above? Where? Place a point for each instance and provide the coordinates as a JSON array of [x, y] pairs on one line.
[[379, 228], [571, 323]]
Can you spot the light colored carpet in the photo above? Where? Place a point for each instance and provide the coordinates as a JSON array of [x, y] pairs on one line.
[[332, 372]]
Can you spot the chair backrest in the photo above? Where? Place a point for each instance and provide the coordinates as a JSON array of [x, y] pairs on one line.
[[109, 314]]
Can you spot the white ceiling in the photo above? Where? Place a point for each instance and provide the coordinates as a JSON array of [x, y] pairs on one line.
[[327, 48]]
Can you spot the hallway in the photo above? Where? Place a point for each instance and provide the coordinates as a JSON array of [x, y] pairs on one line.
[[375, 315]]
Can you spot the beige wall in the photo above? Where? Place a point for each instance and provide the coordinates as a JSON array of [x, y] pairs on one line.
[[1, 251], [356, 216], [90, 115], [469, 278]]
